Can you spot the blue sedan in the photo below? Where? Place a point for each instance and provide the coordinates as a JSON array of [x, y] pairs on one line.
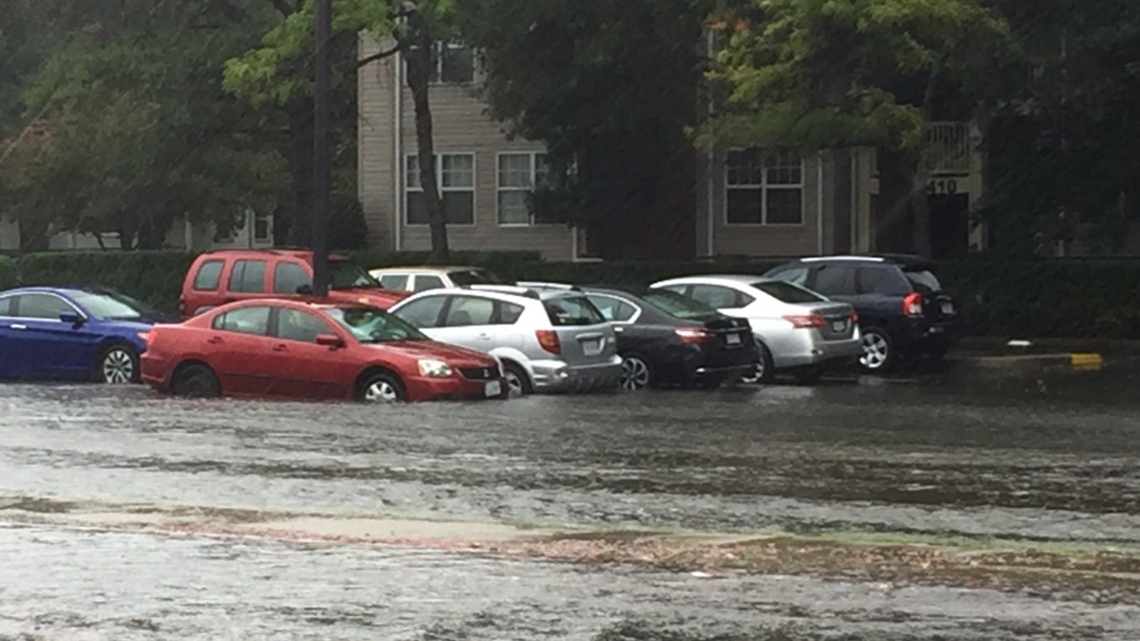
[[72, 333]]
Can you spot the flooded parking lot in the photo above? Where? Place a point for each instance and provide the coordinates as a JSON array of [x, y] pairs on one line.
[[1051, 459]]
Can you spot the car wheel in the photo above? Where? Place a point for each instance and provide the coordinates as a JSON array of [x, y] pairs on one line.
[[878, 351], [382, 388], [518, 383], [196, 381], [764, 370], [118, 365], [636, 374]]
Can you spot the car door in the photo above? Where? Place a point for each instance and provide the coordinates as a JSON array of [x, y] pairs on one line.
[[238, 347], [300, 368], [247, 279], [469, 321], [836, 281], [290, 278], [424, 313], [12, 350], [54, 348]]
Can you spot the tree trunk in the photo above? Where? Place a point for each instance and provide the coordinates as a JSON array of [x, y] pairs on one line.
[[301, 169], [416, 47], [920, 197]]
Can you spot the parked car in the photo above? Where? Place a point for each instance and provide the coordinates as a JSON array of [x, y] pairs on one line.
[[72, 333], [903, 312], [797, 330], [423, 278], [313, 351], [230, 275], [550, 341], [665, 338]]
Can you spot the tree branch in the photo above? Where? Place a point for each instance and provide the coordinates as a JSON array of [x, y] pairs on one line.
[[283, 7], [377, 56]]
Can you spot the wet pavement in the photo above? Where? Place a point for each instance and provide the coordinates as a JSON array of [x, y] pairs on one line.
[[1055, 457]]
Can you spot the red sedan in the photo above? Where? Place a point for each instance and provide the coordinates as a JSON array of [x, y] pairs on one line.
[[317, 351]]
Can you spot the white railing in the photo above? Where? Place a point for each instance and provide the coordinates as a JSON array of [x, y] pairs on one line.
[[951, 146]]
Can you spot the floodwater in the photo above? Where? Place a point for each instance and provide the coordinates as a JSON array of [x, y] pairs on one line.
[[1054, 458]]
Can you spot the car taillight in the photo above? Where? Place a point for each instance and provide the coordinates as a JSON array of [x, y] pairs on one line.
[[854, 317], [694, 335], [548, 340], [912, 304], [806, 322]]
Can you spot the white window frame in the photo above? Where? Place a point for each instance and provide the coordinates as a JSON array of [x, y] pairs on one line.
[[533, 155], [437, 54], [268, 218], [442, 190], [763, 187]]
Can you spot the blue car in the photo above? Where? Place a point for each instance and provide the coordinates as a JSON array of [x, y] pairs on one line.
[[72, 333]]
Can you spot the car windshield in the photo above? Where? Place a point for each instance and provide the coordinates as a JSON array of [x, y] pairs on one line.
[[788, 293], [466, 277], [345, 274], [923, 279], [110, 305], [573, 310], [372, 325], [677, 304]]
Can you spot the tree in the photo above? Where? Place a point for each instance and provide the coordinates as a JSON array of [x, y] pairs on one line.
[[275, 71], [611, 88], [821, 74]]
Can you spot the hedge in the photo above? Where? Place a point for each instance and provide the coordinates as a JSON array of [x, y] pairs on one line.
[[1024, 299]]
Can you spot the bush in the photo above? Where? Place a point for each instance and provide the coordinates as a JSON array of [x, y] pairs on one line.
[[9, 273], [154, 277]]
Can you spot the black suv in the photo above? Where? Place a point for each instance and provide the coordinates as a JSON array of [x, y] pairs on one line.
[[903, 312]]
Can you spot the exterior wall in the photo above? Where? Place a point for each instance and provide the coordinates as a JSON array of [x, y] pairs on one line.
[[461, 125], [9, 235], [182, 235]]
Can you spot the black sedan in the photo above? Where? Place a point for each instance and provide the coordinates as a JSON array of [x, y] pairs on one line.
[[665, 338]]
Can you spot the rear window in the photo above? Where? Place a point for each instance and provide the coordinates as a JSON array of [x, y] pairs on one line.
[[209, 274], [573, 310], [923, 279], [678, 305], [466, 277], [788, 293]]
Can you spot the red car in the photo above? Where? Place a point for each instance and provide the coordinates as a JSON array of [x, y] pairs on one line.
[[230, 275], [311, 350]]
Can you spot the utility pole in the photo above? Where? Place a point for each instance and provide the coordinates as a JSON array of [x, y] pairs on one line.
[[322, 151]]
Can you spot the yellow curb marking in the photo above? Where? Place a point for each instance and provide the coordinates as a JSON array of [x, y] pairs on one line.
[[1087, 361]]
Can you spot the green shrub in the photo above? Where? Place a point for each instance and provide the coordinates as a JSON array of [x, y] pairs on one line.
[[9, 273], [154, 277]]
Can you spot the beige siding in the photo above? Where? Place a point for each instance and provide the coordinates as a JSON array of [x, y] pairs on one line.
[[461, 125]]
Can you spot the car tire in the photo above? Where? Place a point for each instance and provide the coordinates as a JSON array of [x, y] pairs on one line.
[[382, 388], [879, 354], [196, 381], [764, 370], [636, 373], [518, 383], [118, 364]]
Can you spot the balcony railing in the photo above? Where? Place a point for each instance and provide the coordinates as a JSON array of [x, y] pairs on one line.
[[952, 147]]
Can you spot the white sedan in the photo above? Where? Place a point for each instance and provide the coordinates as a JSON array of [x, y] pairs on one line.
[[799, 331]]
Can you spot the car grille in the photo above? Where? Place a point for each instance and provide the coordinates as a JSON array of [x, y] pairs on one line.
[[479, 373]]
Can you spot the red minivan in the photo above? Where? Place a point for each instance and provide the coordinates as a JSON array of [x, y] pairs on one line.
[[231, 275]]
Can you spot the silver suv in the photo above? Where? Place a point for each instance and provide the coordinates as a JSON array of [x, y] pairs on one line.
[[548, 341]]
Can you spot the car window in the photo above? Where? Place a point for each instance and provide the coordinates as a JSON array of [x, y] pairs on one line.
[[43, 306], [678, 305], [720, 297], [6, 306], [424, 312], [469, 310], [297, 325], [923, 279], [394, 281], [464, 277], [797, 275], [509, 313], [112, 305], [613, 308], [247, 320], [248, 277], [371, 325], [425, 282], [788, 293], [879, 279], [345, 274], [289, 277], [573, 310], [209, 276], [835, 280]]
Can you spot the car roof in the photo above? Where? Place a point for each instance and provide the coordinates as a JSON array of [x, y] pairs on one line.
[[425, 269], [904, 260], [291, 252], [741, 279]]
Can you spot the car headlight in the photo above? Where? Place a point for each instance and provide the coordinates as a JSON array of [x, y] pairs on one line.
[[435, 369]]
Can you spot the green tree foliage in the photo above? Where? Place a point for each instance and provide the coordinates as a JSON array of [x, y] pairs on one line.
[[137, 131], [822, 74], [277, 72]]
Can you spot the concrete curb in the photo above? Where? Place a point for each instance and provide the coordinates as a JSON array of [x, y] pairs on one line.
[[1073, 361]]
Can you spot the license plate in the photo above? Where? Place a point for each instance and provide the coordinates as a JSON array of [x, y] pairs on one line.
[[493, 388], [732, 339], [839, 326], [947, 308], [591, 348]]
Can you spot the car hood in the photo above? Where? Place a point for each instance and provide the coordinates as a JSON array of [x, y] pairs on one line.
[[433, 349]]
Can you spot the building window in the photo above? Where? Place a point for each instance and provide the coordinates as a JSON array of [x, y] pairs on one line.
[[764, 187], [518, 176], [452, 63], [455, 175], [262, 227]]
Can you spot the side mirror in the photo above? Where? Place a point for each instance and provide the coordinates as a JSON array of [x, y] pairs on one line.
[[71, 318], [330, 340], [305, 290]]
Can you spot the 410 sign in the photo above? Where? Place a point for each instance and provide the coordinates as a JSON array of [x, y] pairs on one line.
[[942, 187]]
